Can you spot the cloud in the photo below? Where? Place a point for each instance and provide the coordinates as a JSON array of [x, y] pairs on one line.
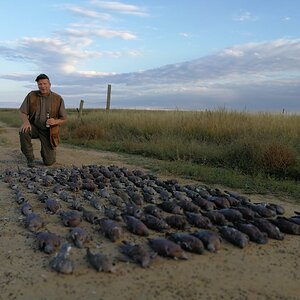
[[134, 53], [52, 53], [185, 34], [120, 7], [99, 32], [249, 62], [64, 54], [84, 12], [253, 60], [245, 16], [73, 46], [257, 76], [232, 52]]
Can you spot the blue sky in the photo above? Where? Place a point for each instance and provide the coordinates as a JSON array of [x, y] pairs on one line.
[[168, 54]]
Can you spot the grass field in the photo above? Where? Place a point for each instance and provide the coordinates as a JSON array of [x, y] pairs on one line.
[[253, 151]]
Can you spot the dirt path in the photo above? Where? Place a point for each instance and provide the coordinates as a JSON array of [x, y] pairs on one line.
[[268, 271]]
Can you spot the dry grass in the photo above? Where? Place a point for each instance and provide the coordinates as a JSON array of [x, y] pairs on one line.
[[252, 142]]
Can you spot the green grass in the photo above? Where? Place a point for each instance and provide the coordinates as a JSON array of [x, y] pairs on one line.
[[234, 179]]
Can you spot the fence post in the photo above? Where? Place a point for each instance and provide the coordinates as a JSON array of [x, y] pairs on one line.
[[80, 109], [108, 97]]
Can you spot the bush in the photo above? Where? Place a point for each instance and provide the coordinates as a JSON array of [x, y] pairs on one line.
[[244, 155], [277, 159], [88, 132]]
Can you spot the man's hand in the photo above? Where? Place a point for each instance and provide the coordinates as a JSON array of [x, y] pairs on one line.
[[51, 122], [54, 122], [26, 127], [26, 124]]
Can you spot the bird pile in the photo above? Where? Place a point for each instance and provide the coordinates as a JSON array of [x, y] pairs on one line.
[[142, 216]]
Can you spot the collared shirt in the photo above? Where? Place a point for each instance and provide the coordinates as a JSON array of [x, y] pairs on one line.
[[43, 107]]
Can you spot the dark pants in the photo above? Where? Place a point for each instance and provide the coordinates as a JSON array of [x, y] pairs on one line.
[[47, 152]]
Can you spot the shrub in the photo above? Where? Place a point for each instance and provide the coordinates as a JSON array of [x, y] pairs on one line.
[[244, 155], [88, 132], [277, 159]]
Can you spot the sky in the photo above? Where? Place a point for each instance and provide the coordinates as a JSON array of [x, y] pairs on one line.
[[239, 55]]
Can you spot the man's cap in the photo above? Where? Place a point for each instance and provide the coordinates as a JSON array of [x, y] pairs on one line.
[[41, 76]]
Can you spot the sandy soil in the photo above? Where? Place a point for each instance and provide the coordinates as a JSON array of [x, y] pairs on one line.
[[268, 271]]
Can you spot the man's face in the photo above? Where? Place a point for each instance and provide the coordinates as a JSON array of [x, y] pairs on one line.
[[44, 86]]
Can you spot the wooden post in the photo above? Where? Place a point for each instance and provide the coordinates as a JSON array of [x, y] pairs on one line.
[[108, 97], [80, 109]]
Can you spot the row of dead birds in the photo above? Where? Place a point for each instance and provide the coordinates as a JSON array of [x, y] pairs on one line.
[[142, 202]]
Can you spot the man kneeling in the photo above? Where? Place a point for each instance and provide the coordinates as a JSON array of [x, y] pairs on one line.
[[42, 112]]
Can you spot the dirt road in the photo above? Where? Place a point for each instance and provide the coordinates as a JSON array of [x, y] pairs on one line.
[[268, 271]]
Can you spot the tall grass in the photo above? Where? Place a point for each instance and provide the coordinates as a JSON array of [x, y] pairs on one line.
[[250, 142]]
